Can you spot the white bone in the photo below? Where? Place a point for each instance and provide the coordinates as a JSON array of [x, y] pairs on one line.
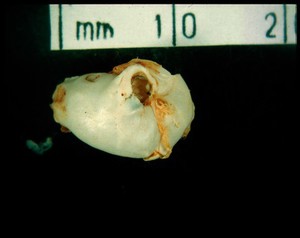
[[138, 110]]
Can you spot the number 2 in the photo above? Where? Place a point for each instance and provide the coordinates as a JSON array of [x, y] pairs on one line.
[[269, 32]]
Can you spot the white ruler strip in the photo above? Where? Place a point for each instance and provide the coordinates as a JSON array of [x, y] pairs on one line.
[[131, 26]]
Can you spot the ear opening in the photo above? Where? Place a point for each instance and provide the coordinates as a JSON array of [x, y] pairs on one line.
[[141, 87]]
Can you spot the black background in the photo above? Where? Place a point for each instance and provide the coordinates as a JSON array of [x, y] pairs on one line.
[[238, 151]]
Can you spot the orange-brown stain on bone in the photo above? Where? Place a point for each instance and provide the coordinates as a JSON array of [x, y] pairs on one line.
[[156, 154], [92, 77], [64, 129], [58, 106], [161, 109], [186, 132], [145, 63]]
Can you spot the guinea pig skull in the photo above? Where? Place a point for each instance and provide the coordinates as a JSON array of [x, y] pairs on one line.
[[137, 110]]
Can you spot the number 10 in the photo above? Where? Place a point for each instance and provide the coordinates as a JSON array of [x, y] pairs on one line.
[[188, 33]]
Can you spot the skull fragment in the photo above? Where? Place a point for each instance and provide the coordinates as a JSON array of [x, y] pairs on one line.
[[137, 110]]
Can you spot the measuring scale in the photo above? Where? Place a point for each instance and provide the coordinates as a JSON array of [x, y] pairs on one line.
[[170, 25]]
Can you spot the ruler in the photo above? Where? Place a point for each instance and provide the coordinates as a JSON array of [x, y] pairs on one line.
[[79, 27]]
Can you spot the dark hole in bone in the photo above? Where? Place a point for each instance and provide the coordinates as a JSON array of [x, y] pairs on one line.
[[141, 87]]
